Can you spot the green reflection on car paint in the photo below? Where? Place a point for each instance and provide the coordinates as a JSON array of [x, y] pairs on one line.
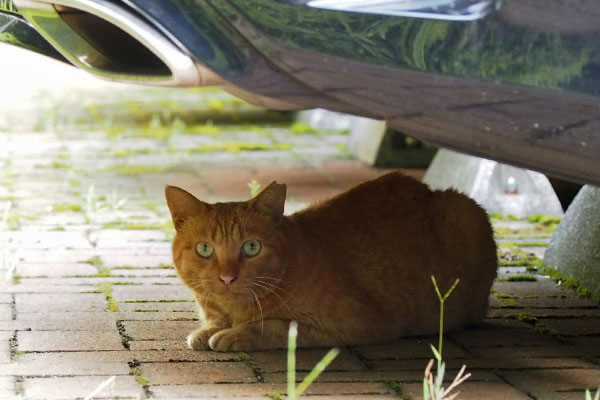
[[489, 49]]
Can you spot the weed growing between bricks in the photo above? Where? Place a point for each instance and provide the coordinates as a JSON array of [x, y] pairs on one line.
[[256, 369], [136, 371], [125, 338]]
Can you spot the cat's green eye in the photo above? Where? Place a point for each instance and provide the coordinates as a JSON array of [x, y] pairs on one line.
[[204, 249], [251, 248]]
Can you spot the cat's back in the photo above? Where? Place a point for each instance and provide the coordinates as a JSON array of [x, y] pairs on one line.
[[393, 195], [388, 236]]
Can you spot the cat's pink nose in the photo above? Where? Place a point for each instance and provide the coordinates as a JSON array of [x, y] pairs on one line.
[[227, 279]]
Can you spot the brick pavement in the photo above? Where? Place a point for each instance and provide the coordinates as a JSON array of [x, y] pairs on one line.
[[93, 293]]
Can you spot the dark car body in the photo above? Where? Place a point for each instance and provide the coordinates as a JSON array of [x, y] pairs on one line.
[[517, 81]]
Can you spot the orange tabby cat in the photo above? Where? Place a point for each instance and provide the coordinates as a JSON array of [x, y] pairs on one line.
[[354, 269]]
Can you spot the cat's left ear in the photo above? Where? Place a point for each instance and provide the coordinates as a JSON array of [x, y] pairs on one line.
[[183, 205], [270, 200]]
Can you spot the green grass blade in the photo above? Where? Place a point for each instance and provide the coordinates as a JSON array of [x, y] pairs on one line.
[[437, 355], [426, 394], [588, 395], [291, 361], [316, 371]]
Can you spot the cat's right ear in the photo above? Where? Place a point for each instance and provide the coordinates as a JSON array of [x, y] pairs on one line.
[[183, 205]]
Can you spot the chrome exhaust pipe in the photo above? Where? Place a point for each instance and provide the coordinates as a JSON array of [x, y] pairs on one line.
[[112, 42]]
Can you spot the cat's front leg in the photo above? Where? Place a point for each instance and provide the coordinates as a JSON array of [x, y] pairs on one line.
[[268, 335], [215, 321], [198, 338]]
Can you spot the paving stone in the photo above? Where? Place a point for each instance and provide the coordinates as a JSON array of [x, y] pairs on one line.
[[116, 238], [347, 388], [159, 330], [55, 270], [495, 323], [516, 360], [5, 298], [5, 312], [63, 255], [495, 302], [110, 258], [166, 345], [60, 302], [544, 313], [409, 348], [73, 363], [25, 287], [81, 284], [69, 341], [198, 391], [473, 391], [578, 326], [80, 386], [7, 385], [181, 355], [158, 316], [378, 376], [63, 322], [50, 240], [470, 338], [306, 359], [151, 293], [159, 307], [557, 302], [5, 337], [527, 351], [416, 364], [153, 275], [549, 384], [593, 342], [197, 373], [538, 289]]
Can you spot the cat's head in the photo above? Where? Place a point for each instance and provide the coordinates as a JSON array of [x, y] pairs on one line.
[[229, 249]]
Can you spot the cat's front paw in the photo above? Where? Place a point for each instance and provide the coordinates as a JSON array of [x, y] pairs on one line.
[[232, 339], [198, 339]]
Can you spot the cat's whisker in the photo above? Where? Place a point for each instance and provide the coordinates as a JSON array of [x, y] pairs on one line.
[[275, 287], [206, 298], [276, 280], [276, 294], [267, 289], [260, 309], [196, 286]]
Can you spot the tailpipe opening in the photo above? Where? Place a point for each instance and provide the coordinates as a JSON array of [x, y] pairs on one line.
[[111, 41]]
